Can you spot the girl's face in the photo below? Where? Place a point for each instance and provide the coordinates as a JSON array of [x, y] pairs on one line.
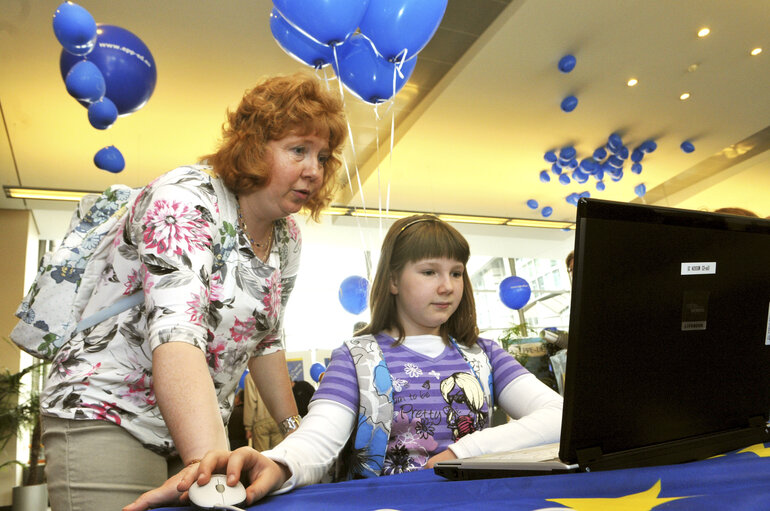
[[427, 292], [297, 169]]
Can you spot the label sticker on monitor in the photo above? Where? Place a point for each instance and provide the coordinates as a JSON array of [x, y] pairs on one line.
[[699, 268], [694, 310]]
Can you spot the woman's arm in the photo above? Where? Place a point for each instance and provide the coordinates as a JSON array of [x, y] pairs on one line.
[[271, 377], [186, 397]]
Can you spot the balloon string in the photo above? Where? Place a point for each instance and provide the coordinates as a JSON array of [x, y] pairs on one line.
[[379, 185], [355, 157], [350, 135]]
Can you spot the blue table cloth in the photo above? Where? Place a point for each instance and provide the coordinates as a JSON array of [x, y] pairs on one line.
[[735, 481]]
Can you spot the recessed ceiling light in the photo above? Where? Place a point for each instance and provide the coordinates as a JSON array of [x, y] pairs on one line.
[[632, 82], [684, 95], [756, 51], [704, 32], [692, 68]]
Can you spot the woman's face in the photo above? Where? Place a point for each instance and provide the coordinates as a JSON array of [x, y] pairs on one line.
[[296, 174]]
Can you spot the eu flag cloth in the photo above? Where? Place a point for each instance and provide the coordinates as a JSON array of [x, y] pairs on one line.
[[735, 481]]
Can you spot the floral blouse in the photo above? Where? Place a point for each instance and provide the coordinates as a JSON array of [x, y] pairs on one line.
[[202, 284]]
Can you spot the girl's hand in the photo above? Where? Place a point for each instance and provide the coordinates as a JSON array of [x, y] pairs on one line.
[[264, 474], [442, 456]]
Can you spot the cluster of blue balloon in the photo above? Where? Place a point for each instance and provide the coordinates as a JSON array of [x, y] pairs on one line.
[[353, 294], [108, 69], [371, 44], [608, 160], [514, 292]]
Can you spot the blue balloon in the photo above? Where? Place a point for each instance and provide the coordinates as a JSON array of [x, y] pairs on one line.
[[102, 114], [401, 28], [546, 211], [514, 292], [85, 82], [687, 146], [368, 75], [328, 22], [569, 103], [75, 28], [589, 165], [567, 153], [532, 204], [564, 179], [109, 159], [572, 198], [600, 154], [615, 161], [316, 371], [550, 157], [636, 168], [580, 177], [614, 143], [600, 186], [126, 64], [648, 146], [544, 177], [567, 63], [573, 163], [637, 155], [297, 44], [640, 190], [353, 293], [556, 168], [617, 175]]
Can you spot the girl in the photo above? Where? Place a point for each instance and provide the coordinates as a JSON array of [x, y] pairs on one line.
[[414, 387]]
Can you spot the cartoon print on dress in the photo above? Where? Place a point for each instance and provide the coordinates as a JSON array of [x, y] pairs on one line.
[[465, 400]]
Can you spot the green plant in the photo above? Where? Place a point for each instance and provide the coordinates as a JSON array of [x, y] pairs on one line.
[[19, 413], [538, 365]]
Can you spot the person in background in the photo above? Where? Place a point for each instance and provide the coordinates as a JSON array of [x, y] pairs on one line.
[[736, 211], [303, 393], [214, 249], [443, 378], [263, 431]]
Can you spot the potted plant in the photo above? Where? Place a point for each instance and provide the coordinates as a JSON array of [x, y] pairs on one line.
[[20, 412], [530, 350]]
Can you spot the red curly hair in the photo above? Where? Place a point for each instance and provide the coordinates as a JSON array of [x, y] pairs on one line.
[[276, 107]]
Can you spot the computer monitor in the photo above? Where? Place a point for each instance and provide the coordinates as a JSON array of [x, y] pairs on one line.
[[670, 322]]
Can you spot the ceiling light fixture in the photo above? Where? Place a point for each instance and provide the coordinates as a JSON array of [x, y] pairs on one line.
[[704, 32], [632, 82], [756, 51], [19, 192], [684, 96], [353, 211]]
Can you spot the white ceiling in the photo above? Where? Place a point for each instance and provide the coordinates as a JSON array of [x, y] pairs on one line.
[[471, 128]]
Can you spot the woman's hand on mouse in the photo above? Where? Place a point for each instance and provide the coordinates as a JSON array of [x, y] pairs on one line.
[[264, 475]]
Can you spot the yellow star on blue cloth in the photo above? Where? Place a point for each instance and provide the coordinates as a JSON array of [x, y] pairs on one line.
[[643, 501], [760, 450]]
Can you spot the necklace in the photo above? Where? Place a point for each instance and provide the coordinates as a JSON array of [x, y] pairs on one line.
[[261, 250]]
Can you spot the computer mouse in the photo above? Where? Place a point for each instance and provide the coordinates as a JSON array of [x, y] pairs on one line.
[[216, 493]]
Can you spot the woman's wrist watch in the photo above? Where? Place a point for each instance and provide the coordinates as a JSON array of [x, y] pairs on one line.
[[289, 424]]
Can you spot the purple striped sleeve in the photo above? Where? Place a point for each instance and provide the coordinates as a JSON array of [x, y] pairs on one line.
[[505, 368], [340, 383]]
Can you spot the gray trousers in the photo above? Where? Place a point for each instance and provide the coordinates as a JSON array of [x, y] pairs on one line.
[[93, 464]]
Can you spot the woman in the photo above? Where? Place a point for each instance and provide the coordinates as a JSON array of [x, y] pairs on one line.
[[134, 399]]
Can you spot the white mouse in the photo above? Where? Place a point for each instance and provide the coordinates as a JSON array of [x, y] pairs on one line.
[[216, 493]]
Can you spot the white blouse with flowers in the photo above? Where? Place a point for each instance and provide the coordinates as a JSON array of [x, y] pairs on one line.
[[202, 285]]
